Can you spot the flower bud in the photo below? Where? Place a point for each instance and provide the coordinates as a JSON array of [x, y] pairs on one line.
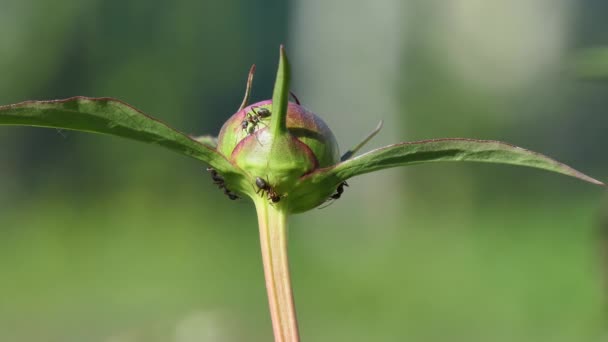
[[246, 140]]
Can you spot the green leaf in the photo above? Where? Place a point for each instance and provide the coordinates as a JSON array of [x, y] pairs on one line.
[[444, 150], [109, 116]]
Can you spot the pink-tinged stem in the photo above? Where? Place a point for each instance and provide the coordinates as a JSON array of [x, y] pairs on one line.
[[273, 240]]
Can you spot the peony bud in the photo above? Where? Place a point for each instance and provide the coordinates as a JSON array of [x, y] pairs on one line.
[[246, 140]]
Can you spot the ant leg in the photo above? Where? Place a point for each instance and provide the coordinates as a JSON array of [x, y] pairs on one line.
[[255, 134], [330, 200]]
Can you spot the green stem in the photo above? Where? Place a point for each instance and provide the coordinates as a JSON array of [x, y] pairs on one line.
[[273, 240]]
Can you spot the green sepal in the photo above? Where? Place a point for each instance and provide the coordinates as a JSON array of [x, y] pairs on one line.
[[280, 96]]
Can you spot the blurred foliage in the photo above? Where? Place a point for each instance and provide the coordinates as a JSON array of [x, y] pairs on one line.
[[592, 64], [107, 240]]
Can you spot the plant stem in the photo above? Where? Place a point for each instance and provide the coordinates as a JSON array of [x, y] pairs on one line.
[[272, 220]]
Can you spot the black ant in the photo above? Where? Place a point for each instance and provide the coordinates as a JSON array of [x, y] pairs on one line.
[[254, 119], [264, 187], [262, 112], [219, 181], [339, 190], [337, 195]]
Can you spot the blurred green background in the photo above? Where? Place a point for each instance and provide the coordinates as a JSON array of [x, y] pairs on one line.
[[103, 239]]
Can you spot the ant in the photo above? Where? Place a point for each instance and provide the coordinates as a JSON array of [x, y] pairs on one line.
[[219, 181], [337, 195], [254, 119], [339, 190], [264, 187], [262, 112]]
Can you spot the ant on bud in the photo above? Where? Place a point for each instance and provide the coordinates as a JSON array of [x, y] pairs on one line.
[[336, 195], [262, 112], [339, 190], [219, 181], [265, 188], [254, 119]]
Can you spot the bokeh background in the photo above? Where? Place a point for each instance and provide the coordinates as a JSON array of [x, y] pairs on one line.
[[104, 239]]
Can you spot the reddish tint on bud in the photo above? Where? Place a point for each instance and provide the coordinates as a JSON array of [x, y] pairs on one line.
[[303, 124], [246, 140]]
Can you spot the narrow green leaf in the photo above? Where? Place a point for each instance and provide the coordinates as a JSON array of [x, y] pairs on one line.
[[280, 96], [109, 116], [444, 150]]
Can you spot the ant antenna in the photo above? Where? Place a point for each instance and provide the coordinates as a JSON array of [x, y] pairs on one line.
[[60, 132]]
